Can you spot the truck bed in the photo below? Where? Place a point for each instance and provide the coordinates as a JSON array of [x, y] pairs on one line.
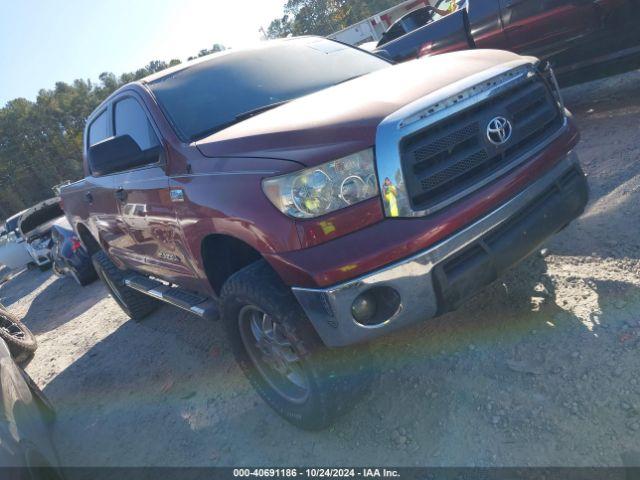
[[450, 33]]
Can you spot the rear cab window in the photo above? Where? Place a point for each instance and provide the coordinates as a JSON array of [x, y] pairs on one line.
[[396, 31], [416, 19]]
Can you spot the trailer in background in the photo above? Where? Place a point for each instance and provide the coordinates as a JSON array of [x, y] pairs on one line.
[[371, 29]]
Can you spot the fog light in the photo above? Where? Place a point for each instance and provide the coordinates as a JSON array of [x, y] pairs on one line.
[[364, 307], [375, 306]]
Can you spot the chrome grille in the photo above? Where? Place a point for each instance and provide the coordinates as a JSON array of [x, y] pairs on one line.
[[453, 154]]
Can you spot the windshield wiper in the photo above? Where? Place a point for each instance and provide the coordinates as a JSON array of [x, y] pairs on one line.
[[350, 78], [238, 118], [256, 111]]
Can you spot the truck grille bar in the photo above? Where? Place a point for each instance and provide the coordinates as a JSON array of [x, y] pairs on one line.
[[437, 150], [454, 154]]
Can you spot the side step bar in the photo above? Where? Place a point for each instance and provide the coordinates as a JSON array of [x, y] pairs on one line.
[[197, 304]]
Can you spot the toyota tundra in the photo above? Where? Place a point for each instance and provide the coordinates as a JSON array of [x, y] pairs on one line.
[[315, 197]]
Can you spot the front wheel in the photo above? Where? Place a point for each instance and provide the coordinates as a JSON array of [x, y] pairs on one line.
[[283, 357]]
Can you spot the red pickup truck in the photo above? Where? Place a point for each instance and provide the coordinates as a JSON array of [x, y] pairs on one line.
[[583, 39], [315, 196]]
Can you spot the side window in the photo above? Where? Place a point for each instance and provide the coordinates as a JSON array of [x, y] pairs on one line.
[[418, 18], [396, 31], [130, 119], [99, 128]]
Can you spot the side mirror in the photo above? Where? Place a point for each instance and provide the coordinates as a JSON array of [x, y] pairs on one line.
[[117, 154]]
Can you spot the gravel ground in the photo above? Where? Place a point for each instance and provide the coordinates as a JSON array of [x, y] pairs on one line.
[[541, 370]]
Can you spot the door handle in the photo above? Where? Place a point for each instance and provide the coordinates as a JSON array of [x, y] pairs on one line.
[[88, 197], [121, 194]]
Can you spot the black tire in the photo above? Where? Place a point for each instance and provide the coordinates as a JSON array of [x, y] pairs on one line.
[[57, 270], [335, 379], [21, 342], [135, 304], [85, 274]]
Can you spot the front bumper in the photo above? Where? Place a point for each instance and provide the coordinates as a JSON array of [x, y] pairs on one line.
[[439, 279], [40, 256]]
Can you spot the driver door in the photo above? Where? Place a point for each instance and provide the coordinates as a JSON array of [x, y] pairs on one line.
[[146, 211]]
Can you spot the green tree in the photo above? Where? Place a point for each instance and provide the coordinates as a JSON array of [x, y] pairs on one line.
[[41, 140], [322, 17], [217, 47], [280, 28]]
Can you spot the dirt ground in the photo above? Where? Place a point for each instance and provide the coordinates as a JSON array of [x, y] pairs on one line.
[[542, 369]]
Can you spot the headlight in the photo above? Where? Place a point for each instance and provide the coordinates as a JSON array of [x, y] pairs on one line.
[[323, 189]]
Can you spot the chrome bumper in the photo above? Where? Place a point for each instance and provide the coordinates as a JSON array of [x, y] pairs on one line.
[[416, 279]]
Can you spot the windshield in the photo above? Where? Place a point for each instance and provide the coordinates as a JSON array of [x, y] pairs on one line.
[[211, 95]]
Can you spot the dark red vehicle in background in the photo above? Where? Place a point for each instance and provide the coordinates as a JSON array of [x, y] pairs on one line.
[[317, 196], [583, 39]]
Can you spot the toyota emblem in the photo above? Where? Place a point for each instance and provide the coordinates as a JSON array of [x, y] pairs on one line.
[[499, 131]]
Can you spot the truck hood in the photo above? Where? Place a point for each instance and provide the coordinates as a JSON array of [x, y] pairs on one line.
[[343, 119]]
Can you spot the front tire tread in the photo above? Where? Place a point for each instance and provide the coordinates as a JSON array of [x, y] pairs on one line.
[[338, 377]]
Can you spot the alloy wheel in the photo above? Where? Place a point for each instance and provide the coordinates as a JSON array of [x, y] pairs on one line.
[[271, 348]]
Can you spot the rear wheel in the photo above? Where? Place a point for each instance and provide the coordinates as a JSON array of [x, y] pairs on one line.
[[84, 274], [282, 356], [21, 342], [135, 304]]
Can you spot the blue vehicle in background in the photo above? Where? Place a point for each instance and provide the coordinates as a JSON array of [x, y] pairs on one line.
[[68, 255]]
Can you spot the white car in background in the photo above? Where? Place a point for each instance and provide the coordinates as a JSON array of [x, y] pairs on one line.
[[35, 226], [13, 249]]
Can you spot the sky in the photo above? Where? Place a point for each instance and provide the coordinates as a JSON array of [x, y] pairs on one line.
[[45, 41]]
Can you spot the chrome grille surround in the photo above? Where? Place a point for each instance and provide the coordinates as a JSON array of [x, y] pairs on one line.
[[436, 107]]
